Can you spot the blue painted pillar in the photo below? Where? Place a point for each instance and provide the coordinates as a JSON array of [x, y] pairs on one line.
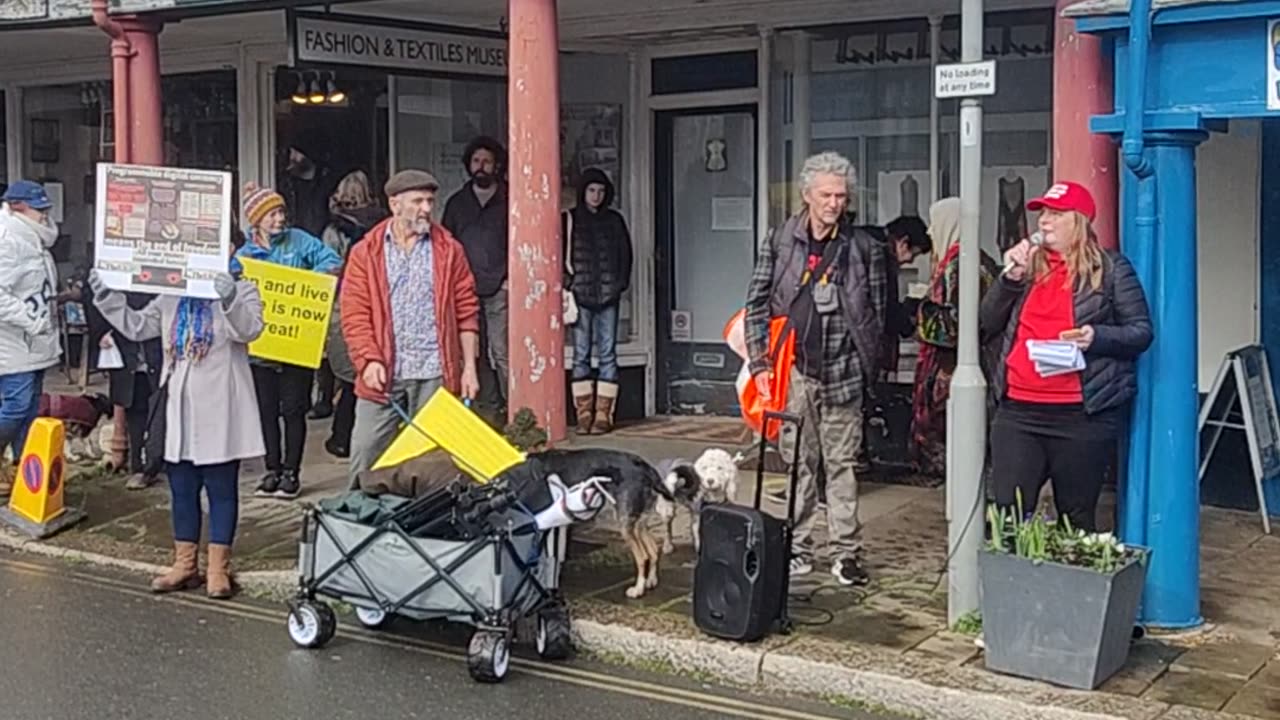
[[1170, 373], [1269, 265], [1138, 242]]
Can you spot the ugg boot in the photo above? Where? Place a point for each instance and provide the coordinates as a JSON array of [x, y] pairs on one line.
[[606, 398], [584, 401], [185, 573], [218, 583]]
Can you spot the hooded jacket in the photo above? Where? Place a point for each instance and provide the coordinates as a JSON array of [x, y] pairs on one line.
[[28, 278], [599, 247]]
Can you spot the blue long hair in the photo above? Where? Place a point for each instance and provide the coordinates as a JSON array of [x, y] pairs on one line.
[[192, 329]]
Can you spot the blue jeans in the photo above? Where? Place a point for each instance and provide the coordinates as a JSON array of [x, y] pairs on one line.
[[596, 327], [19, 404], [221, 485]]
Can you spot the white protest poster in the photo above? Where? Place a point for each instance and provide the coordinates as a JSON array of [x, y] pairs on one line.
[[162, 230]]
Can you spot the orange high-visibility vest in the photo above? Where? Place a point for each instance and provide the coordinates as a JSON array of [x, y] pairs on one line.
[[782, 356]]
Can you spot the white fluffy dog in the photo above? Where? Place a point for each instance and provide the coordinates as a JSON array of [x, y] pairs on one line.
[[714, 473]]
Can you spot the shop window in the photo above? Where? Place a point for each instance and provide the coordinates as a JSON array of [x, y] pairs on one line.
[[200, 128], [436, 118], [338, 120], [69, 129], [870, 95], [871, 86]]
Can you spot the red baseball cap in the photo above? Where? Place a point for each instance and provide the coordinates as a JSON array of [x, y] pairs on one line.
[[1066, 196]]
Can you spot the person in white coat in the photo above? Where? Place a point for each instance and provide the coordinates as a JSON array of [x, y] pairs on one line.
[[28, 328], [211, 413]]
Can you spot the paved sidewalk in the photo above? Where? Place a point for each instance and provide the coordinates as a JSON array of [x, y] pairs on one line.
[[884, 645]]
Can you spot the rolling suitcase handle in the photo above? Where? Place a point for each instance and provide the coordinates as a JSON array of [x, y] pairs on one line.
[[798, 422]]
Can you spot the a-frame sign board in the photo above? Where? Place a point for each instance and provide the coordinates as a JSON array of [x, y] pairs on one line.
[[1242, 399]]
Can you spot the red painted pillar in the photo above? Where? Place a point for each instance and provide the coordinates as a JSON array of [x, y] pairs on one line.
[[1082, 87], [536, 335], [145, 114]]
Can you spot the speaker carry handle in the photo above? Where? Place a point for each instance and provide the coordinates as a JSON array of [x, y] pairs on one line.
[[794, 479], [784, 614]]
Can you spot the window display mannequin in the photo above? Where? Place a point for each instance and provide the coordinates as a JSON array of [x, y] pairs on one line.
[[1011, 215]]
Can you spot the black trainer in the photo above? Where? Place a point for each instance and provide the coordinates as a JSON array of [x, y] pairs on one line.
[[289, 487], [336, 450], [848, 571], [267, 488]]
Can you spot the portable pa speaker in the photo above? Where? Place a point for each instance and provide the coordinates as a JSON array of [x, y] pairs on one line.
[[739, 584], [741, 580]]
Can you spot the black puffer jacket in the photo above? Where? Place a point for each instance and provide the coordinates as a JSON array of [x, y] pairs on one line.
[[1121, 324], [599, 250]]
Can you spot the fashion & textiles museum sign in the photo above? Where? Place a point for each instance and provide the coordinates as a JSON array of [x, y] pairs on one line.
[[415, 48]]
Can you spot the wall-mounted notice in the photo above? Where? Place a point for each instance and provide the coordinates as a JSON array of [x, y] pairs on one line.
[[162, 230]]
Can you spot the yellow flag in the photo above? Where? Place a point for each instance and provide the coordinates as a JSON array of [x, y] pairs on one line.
[[445, 423]]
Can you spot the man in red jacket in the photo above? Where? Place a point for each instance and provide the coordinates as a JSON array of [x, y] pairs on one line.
[[410, 316]]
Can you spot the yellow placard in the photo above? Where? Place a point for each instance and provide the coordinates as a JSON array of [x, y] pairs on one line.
[[445, 423], [296, 305], [37, 491]]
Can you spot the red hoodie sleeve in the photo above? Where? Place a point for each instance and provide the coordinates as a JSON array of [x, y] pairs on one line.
[[356, 305]]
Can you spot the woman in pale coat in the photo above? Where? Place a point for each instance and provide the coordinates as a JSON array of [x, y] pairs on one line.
[[211, 415]]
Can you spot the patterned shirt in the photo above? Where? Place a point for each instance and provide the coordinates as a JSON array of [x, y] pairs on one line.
[[841, 376], [413, 315]]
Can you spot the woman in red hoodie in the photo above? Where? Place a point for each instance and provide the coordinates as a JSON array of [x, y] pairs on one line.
[[1049, 424]]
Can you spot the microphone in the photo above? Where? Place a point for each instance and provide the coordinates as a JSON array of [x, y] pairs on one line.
[[1036, 240]]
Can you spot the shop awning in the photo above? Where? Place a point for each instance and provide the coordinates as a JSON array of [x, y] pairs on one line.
[[15, 14], [1089, 8]]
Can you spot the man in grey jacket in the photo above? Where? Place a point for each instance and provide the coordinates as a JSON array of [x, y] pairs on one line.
[[28, 329]]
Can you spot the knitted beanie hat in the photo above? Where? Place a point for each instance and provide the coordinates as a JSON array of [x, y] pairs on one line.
[[258, 201]]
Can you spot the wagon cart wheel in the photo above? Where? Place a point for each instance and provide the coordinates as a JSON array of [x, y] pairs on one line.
[[553, 640], [488, 656], [311, 624], [371, 617]]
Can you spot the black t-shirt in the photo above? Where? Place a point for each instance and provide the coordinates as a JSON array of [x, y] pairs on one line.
[[808, 323]]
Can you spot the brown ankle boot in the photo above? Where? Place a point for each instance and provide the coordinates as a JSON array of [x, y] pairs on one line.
[[606, 398], [219, 584], [185, 573], [584, 403]]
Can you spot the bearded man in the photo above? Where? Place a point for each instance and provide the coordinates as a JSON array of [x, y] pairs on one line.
[[477, 215], [410, 317]]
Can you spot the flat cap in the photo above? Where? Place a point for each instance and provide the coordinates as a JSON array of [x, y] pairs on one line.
[[406, 180]]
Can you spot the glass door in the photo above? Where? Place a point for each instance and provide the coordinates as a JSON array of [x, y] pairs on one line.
[[705, 192]]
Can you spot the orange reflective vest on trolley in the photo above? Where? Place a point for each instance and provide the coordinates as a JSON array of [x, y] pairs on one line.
[[782, 356]]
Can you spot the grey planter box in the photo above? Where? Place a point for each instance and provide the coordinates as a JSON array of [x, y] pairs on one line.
[[1066, 625]]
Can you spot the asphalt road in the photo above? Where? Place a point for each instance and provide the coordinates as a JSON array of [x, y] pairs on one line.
[[76, 643]]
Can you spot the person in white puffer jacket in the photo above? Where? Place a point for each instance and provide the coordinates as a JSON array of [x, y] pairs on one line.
[[29, 341]]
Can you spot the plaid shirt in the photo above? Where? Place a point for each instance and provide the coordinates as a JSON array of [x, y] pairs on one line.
[[843, 369]]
